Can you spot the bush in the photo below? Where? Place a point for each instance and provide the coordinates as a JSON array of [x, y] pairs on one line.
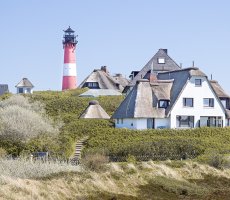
[[214, 159], [23, 120], [19, 123], [94, 162], [3, 153], [131, 159]]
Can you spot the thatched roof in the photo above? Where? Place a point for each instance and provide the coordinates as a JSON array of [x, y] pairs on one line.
[[218, 89], [25, 83], [169, 65], [100, 92], [105, 80], [142, 101], [94, 111]]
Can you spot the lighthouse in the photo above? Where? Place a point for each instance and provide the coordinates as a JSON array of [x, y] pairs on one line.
[[69, 69]]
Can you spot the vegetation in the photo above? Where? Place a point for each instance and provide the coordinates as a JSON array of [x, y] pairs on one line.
[[28, 169], [52, 124], [61, 110], [123, 181]]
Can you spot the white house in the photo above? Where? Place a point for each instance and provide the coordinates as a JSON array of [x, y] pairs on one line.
[[183, 98], [24, 87]]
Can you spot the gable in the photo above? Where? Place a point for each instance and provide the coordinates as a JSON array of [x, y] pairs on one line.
[[198, 94], [157, 66]]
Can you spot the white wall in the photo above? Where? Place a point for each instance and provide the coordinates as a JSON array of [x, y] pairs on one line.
[[132, 123], [127, 123], [141, 123], [25, 90], [197, 93]]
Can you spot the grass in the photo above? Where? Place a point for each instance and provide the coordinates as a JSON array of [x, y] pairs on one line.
[[123, 181], [22, 168]]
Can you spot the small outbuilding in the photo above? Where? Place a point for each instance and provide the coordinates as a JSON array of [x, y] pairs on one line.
[[4, 89], [24, 87], [94, 111]]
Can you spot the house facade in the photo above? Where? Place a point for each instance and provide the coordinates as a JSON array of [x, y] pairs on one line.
[[182, 98], [24, 86]]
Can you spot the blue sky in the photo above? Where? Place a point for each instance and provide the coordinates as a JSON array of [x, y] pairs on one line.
[[122, 35]]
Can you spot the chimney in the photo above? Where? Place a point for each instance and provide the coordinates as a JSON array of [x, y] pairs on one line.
[[165, 50], [104, 68], [153, 75]]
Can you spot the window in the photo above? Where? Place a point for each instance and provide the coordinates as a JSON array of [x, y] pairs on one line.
[[211, 121], [161, 60], [119, 121], [188, 102], [224, 103], [208, 102], [20, 90], [198, 82], [185, 121], [163, 103], [92, 85]]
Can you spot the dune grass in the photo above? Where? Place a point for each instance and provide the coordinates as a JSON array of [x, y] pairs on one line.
[[125, 181]]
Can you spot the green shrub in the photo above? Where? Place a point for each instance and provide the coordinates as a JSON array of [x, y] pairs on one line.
[[131, 159]]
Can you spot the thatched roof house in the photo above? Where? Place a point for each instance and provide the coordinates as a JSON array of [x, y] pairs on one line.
[[94, 111], [101, 79], [24, 86], [180, 98]]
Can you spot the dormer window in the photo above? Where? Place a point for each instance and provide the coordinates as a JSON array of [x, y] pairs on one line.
[[163, 103], [161, 60], [198, 82], [92, 85]]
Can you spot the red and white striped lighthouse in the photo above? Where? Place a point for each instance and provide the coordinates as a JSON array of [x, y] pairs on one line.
[[69, 69]]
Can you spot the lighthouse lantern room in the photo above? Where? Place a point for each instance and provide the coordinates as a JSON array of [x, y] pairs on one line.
[[69, 69]]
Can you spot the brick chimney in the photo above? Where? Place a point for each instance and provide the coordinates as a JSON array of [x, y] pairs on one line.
[[152, 75]]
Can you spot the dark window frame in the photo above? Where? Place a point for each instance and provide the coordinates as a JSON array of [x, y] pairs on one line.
[[92, 84], [210, 102], [164, 102], [186, 102], [189, 123], [198, 82]]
